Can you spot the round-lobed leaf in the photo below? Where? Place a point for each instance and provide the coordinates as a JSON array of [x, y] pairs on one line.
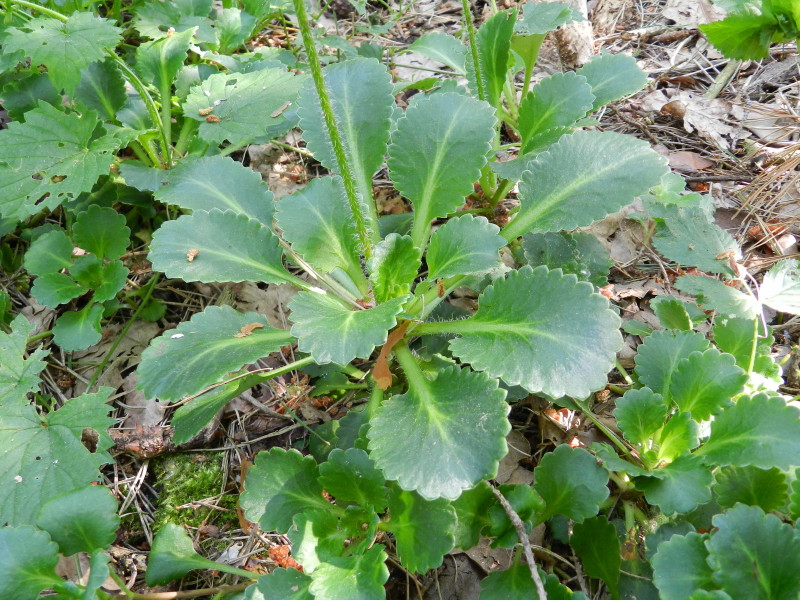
[[84, 520], [357, 577], [639, 414], [705, 382], [217, 182], [680, 566], [318, 224], [361, 95], [393, 266], [350, 476], [755, 555], [442, 437], [760, 430], [571, 483], [465, 245], [333, 333], [281, 484], [28, 563], [679, 487], [557, 101], [543, 330], [582, 178], [217, 246], [423, 529], [765, 488], [660, 354], [200, 351], [286, 584], [437, 152]]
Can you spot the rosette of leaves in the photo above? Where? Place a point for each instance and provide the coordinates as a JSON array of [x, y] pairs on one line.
[[430, 431]]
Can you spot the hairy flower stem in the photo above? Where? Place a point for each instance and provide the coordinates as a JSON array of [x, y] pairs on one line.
[[333, 132], [473, 47]]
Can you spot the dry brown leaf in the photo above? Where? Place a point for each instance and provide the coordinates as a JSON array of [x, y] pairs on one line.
[[686, 160], [248, 329]]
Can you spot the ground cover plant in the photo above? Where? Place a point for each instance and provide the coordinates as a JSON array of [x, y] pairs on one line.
[[691, 493]]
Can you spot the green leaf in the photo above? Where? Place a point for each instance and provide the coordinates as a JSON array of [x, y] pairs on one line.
[[765, 488], [689, 238], [286, 584], [743, 37], [102, 89], [442, 48], [715, 295], [49, 253], [526, 503], [737, 336], [677, 437], [660, 354], [154, 20], [333, 333], [514, 583], [494, 53], [672, 313], [63, 47], [596, 544], [441, 436], [680, 566], [281, 484], [318, 224], [99, 573], [158, 61], [465, 245], [101, 231], [794, 500], [612, 76], [578, 253], [581, 178], [190, 418], [755, 555], [79, 330], [21, 95], [244, 104], [173, 555], [361, 94], [351, 476], [18, 375], [201, 351], [436, 154], [781, 287], [232, 27], [316, 537], [83, 520], [393, 266], [49, 158], [28, 563], [571, 483], [639, 414], [472, 508], [44, 456], [541, 18], [679, 487], [527, 328], [706, 381], [760, 430], [423, 529], [217, 182], [230, 247], [359, 577], [559, 100]]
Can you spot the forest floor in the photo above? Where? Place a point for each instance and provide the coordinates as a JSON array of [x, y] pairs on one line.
[[741, 146]]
